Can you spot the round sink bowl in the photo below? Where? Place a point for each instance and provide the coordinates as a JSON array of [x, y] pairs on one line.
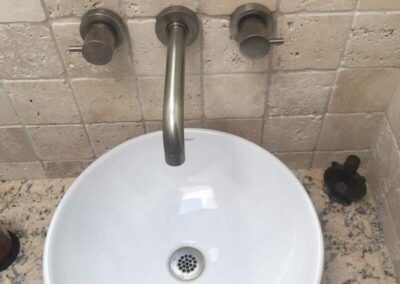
[[125, 219]]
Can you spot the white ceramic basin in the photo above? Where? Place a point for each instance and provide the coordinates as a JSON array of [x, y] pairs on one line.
[[240, 206]]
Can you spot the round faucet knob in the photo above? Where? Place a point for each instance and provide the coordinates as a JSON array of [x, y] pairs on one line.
[[99, 44]]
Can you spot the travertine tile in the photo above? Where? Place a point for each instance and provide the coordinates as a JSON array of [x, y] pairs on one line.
[[374, 41], [107, 100], [29, 170], [7, 113], [349, 131], [15, 146], [63, 8], [323, 159], [151, 92], [212, 7], [136, 8], [394, 115], [379, 5], [299, 93], [311, 41], [67, 34], [235, 96], [43, 102], [364, 90], [61, 142], [65, 169], [26, 11], [386, 156], [296, 160], [27, 51], [291, 134], [222, 54], [249, 129], [152, 126], [290, 6], [104, 137], [150, 54]]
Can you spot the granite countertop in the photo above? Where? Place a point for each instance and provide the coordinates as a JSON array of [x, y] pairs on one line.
[[355, 251]]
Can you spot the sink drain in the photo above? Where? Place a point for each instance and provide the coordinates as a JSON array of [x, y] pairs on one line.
[[186, 263]]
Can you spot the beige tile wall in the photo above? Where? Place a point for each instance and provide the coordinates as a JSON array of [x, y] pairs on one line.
[[319, 97]]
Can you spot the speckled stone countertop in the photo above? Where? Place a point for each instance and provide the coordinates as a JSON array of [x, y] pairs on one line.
[[355, 251]]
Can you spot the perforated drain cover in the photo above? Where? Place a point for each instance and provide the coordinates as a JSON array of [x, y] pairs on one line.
[[186, 263]]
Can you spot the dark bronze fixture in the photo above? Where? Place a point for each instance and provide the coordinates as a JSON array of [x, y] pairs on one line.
[[9, 248], [252, 26], [102, 31], [343, 183], [176, 27]]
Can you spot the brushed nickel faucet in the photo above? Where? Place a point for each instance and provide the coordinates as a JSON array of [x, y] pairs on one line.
[[176, 27]]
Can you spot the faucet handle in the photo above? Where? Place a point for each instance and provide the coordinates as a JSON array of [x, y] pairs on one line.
[[276, 40], [102, 31]]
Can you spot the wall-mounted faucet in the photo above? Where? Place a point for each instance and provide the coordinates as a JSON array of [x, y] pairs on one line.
[[102, 31], [176, 27], [252, 26]]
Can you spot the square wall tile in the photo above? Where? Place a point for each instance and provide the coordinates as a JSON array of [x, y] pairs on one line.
[[291, 134], [249, 129], [349, 131], [379, 5], [235, 96], [104, 137], [61, 142], [226, 7], [107, 100], [222, 54], [43, 102], [151, 92], [67, 34], [17, 11], [290, 6], [27, 51], [323, 159], [64, 8], [7, 113], [299, 93], [364, 90], [15, 145], [65, 169], [301, 50], [393, 114], [295, 161], [149, 54], [374, 41], [152, 126], [140, 8], [15, 171]]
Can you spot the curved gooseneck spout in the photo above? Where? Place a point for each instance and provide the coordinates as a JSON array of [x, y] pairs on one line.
[[176, 27]]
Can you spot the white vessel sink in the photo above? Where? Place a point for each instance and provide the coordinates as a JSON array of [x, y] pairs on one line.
[[237, 204]]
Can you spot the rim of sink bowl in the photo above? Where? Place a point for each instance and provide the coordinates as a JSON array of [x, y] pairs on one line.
[[75, 186]]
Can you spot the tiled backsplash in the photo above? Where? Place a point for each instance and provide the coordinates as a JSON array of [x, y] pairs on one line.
[[320, 96]]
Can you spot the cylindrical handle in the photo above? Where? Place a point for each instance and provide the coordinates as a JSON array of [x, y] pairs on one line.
[[99, 43], [173, 131]]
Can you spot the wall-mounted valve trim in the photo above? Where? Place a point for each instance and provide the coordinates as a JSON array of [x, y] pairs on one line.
[[252, 26], [102, 31]]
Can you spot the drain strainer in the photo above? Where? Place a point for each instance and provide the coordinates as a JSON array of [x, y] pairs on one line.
[[186, 263]]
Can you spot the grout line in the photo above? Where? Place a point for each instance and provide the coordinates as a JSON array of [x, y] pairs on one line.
[[202, 76], [333, 87], [67, 79]]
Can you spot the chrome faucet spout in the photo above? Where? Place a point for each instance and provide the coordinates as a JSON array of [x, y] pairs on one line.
[[176, 27], [173, 128]]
